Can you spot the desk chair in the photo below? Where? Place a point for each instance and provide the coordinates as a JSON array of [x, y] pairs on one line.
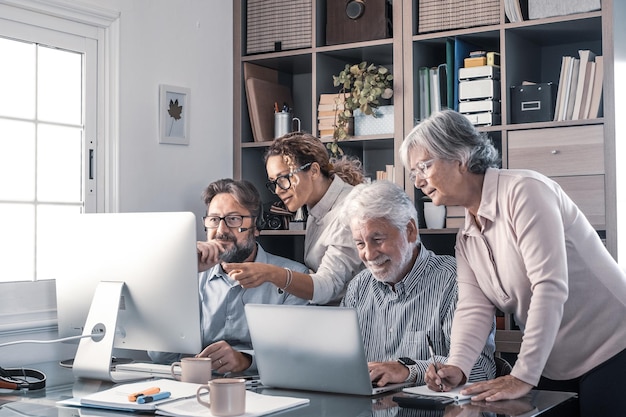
[[503, 367]]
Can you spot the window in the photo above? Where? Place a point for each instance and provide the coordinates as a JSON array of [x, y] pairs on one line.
[[43, 150], [57, 144]]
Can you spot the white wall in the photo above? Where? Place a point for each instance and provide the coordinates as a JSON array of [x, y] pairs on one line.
[[185, 43]]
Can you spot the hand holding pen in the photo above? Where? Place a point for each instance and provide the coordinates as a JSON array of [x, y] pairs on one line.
[[432, 357]]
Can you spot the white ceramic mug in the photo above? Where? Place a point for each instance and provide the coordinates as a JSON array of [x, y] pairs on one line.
[[196, 370], [435, 216], [227, 396]]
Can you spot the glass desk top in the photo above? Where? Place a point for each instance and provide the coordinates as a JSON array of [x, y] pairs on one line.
[[62, 385]]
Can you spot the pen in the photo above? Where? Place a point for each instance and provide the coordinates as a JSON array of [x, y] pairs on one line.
[[149, 398], [147, 391], [432, 357]]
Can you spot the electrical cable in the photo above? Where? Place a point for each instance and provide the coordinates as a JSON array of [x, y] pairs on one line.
[[25, 378], [64, 339]]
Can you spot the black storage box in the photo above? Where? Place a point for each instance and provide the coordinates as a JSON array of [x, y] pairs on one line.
[[533, 103], [357, 20]]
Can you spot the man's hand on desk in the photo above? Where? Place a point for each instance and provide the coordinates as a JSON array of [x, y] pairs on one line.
[[224, 358], [387, 372], [503, 388]]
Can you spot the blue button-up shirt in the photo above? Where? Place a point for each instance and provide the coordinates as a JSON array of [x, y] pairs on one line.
[[223, 300]]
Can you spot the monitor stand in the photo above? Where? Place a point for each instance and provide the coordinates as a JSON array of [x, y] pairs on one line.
[[93, 357]]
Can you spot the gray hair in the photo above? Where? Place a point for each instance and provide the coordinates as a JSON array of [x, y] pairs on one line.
[[450, 135], [379, 200], [244, 192]]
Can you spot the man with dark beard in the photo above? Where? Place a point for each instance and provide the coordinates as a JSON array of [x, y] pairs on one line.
[[407, 295], [231, 223]]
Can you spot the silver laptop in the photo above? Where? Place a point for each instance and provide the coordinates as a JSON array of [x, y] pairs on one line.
[[310, 348]]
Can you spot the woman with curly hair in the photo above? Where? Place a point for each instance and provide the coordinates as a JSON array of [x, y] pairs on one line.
[[301, 173]]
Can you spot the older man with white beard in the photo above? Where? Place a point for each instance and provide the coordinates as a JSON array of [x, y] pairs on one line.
[[407, 295], [232, 224]]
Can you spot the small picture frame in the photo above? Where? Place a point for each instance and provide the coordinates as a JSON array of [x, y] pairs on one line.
[[174, 107]]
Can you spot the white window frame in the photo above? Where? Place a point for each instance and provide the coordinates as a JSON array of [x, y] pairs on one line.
[[31, 306]]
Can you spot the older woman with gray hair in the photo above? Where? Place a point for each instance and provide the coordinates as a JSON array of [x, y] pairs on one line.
[[527, 250], [406, 287]]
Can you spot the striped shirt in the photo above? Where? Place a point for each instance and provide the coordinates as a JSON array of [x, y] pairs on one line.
[[394, 324]]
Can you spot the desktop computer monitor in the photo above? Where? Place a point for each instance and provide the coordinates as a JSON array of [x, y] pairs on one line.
[[131, 279]]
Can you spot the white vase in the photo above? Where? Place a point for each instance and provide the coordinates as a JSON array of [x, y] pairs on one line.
[[435, 216]]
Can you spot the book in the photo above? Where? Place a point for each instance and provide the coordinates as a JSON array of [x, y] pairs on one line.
[[327, 113], [455, 222], [424, 92], [570, 96], [585, 56], [333, 98], [330, 107], [559, 95], [596, 90], [443, 84], [390, 173], [435, 97], [454, 394], [586, 98], [116, 398], [182, 401], [455, 211], [450, 71]]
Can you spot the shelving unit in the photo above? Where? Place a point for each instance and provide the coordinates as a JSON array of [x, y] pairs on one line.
[[530, 51]]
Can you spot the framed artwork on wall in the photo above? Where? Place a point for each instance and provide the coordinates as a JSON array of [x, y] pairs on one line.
[[174, 107]]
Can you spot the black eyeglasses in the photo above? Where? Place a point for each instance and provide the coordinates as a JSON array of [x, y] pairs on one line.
[[284, 181], [232, 221]]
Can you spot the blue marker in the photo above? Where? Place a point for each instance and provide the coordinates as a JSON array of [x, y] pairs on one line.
[[155, 397]]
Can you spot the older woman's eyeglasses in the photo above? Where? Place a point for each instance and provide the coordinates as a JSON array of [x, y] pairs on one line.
[[420, 170], [284, 181]]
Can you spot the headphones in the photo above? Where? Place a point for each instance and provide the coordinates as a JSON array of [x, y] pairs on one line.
[[259, 223], [22, 378]]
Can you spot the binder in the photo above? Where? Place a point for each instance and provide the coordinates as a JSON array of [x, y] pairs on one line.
[[462, 50], [261, 98]]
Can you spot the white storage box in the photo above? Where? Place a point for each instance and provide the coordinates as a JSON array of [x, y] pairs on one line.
[[538, 9], [382, 124]]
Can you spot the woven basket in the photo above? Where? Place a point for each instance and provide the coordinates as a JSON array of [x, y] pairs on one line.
[[438, 15], [276, 25]]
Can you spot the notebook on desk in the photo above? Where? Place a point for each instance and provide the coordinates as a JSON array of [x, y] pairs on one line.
[[310, 348]]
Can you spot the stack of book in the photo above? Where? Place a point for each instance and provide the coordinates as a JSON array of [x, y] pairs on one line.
[[388, 174], [455, 217], [580, 87], [328, 108], [479, 88]]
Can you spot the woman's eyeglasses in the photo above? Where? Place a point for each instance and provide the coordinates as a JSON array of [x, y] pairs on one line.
[[420, 170], [284, 181]]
